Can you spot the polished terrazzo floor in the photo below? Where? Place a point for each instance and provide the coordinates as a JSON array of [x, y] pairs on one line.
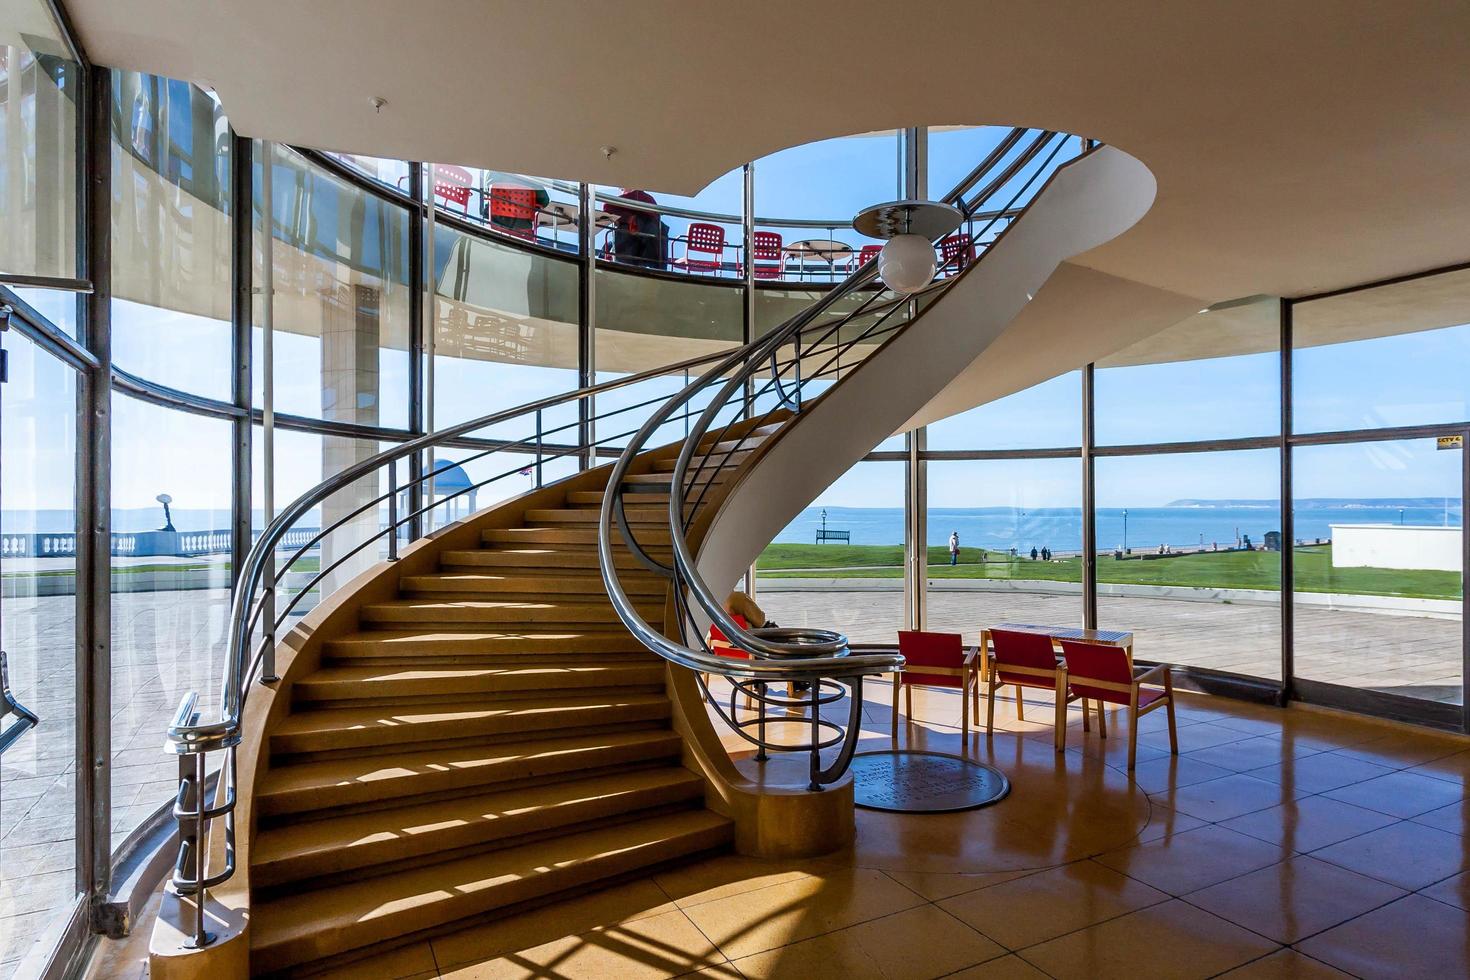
[[1277, 844]]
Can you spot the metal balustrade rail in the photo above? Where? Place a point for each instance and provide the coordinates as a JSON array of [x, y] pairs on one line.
[[756, 376]]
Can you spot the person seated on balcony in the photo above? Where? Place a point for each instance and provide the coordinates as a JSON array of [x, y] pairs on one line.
[[639, 236], [496, 178]]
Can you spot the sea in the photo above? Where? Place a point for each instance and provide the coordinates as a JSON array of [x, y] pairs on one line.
[[1185, 524]]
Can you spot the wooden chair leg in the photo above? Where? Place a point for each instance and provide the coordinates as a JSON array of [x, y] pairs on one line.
[[1169, 707], [897, 683], [1061, 713], [1086, 717], [965, 707], [908, 701], [1133, 730], [990, 707], [1102, 719], [1020, 711]]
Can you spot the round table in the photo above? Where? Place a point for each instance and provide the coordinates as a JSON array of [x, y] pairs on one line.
[[560, 214], [822, 249]]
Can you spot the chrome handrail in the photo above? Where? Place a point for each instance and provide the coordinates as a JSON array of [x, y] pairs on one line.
[[811, 655]]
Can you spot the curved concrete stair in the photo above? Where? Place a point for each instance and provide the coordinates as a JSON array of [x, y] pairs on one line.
[[491, 735], [304, 926]]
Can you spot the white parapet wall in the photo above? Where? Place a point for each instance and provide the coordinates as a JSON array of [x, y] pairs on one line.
[[1396, 546]]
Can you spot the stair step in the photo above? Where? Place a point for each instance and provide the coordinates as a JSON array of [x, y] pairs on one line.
[[335, 729], [310, 850], [522, 642], [527, 611], [555, 557], [564, 583], [636, 516], [716, 464], [357, 683], [325, 784], [308, 925], [652, 538], [642, 498]]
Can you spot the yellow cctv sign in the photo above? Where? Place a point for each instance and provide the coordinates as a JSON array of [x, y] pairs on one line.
[[1449, 442]]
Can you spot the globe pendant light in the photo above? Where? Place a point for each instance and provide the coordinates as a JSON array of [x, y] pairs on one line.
[[907, 262]]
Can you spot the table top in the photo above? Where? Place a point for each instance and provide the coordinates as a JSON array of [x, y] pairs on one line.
[[1117, 638], [560, 214], [822, 248]]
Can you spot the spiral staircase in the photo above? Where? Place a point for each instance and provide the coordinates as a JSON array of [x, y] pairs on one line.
[[513, 708]]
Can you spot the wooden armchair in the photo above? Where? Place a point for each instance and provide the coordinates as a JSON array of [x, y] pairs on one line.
[[935, 660]]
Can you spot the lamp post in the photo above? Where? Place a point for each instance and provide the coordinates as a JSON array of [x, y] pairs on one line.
[[168, 521], [1125, 530]]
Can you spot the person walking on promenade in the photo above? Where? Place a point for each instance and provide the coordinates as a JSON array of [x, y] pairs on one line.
[[954, 547]]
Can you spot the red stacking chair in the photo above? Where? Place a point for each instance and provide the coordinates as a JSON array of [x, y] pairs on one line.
[[1026, 660], [1105, 674], [955, 252], [515, 204], [765, 254], [868, 254], [454, 185], [705, 239], [935, 660], [720, 644]]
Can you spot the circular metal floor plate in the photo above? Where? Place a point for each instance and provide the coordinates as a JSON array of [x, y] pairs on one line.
[[924, 782]]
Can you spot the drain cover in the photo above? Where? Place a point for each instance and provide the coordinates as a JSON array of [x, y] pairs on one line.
[[924, 782]]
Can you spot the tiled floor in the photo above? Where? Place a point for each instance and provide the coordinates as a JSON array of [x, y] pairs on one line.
[[1280, 844]]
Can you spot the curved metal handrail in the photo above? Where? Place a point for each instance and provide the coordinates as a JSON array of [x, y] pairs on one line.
[[808, 655]]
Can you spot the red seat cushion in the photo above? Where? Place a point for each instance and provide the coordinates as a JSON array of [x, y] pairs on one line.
[[720, 643]]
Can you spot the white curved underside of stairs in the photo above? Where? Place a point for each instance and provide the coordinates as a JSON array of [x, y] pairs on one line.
[[1086, 204]]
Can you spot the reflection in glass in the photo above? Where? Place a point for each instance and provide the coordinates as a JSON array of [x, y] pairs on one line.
[[39, 90], [839, 563], [171, 514], [999, 511], [1189, 557], [1378, 567], [341, 297], [38, 527], [171, 234], [505, 333], [1386, 356]]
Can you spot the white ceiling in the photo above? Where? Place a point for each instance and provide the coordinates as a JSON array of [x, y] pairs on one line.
[[1299, 145]]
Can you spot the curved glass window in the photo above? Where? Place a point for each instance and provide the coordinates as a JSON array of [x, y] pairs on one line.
[[534, 209], [1386, 356], [1216, 375], [505, 332], [341, 297], [703, 234], [40, 87], [171, 234], [38, 529], [389, 173]]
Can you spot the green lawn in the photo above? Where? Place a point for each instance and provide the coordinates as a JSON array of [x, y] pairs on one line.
[[1233, 570]]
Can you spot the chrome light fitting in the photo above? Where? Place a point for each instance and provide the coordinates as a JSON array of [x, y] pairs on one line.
[[907, 263]]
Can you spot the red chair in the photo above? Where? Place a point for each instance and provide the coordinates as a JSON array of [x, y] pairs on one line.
[[509, 203], [766, 255], [868, 254], [705, 239], [720, 644], [957, 251], [1105, 674], [454, 185], [1026, 660], [935, 660]]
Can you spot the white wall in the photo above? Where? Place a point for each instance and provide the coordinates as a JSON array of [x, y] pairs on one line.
[[1396, 546]]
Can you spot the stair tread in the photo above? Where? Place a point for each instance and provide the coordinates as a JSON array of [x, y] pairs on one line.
[[421, 828], [305, 925], [399, 719], [409, 680], [470, 641], [383, 776], [563, 582]]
